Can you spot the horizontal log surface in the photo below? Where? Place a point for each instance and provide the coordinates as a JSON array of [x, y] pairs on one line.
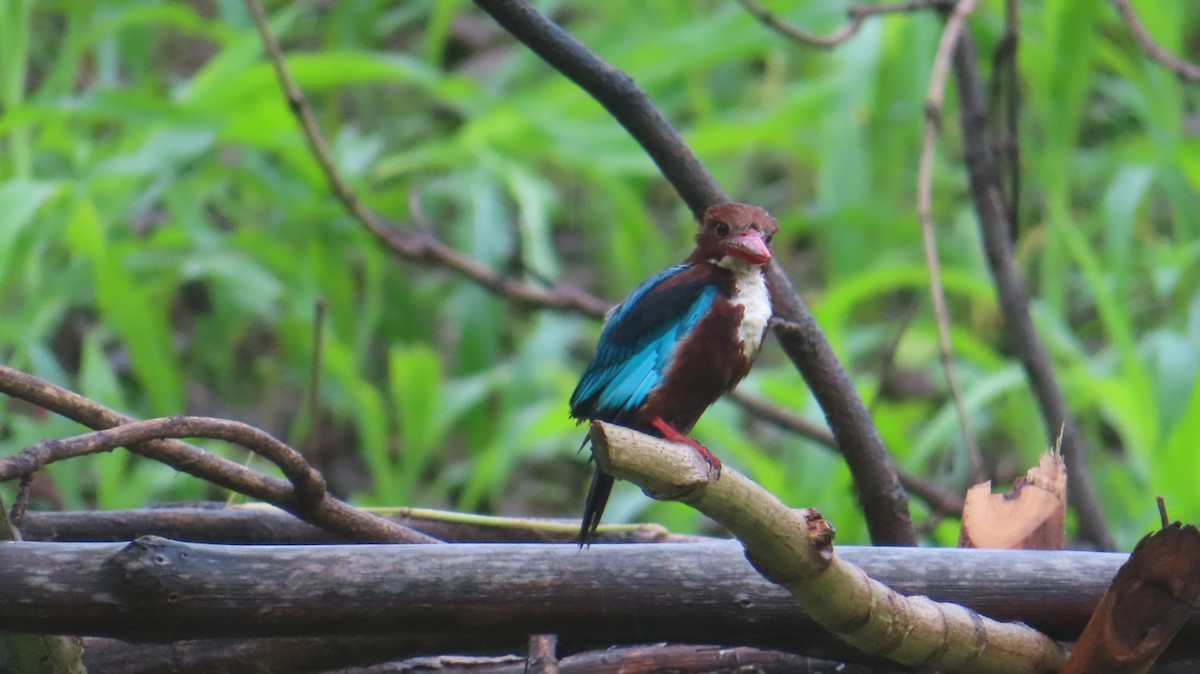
[[155, 589]]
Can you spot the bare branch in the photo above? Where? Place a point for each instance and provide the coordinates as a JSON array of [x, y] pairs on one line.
[[1010, 289], [314, 372], [308, 483], [857, 15], [845, 32], [883, 498], [794, 548], [21, 502], [1184, 70], [933, 115], [1004, 99], [416, 247], [329, 514], [939, 500], [884, 502], [257, 524], [783, 418]]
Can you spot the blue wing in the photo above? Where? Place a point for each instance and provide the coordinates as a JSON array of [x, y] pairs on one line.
[[638, 341]]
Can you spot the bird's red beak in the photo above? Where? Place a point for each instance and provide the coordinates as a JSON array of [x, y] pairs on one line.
[[748, 246]]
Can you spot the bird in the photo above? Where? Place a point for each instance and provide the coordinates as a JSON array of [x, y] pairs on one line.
[[680, 340]]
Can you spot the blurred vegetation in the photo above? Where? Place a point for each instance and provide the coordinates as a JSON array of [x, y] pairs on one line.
[[165, 236]]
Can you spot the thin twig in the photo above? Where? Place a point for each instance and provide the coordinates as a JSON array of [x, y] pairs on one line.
[[857, 15], [794, 548], [314, 374], [329, 514], [933, 114], [939, 500], [21, 503], [1010, 289], [417, 247], [883, 499], [1184, 70], [784, 419]]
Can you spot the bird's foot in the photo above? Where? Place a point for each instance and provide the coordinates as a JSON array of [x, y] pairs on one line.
[[671, 435]]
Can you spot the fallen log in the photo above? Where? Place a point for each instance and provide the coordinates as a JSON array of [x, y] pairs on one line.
[[159, 590]]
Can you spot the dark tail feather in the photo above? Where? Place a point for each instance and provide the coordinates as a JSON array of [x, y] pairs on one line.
[[593, 508]]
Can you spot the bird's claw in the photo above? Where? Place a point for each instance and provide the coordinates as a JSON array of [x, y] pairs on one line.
[[714, 464], [671, 435]]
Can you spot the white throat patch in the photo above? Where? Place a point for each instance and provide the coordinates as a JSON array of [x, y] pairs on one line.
[[750, 293]]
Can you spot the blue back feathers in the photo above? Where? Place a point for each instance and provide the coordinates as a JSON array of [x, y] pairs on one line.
[[637, 344]]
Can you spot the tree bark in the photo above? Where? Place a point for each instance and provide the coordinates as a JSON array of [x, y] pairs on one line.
[[1150, 598], [497, 595]]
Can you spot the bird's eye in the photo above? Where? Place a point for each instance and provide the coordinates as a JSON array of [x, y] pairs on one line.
[[722, 230]]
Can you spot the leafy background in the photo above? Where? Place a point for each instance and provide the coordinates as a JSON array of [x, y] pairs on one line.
[[165, 237]]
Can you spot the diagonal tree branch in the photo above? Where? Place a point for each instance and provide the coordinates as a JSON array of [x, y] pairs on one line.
[[416, 247], [1004, 100], [327, 513], [857, 16], [1184, 70], [1014, 304], [794, 549], [941, 501], [883, 499]]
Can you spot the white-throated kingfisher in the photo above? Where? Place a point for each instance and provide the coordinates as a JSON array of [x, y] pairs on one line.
[[680, 340]]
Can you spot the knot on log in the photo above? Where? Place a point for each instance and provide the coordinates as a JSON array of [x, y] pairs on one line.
[[148, 564]]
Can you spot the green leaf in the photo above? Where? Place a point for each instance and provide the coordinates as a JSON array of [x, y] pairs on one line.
[[20, 200], [133, 312]]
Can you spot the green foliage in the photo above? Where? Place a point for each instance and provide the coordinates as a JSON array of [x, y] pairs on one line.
[[165, 234]]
